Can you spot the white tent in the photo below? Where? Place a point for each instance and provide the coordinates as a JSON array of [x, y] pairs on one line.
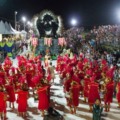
[[6, 28], [2, 27], [15, 31]]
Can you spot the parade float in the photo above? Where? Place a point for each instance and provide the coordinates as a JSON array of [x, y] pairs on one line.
[[48, 27]]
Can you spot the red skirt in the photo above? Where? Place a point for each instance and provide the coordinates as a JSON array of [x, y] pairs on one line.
[[118, 97]]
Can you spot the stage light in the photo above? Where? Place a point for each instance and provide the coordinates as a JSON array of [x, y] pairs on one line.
[[28, 23], [74, 22], [24, 19], [16, 12], [118, 14]]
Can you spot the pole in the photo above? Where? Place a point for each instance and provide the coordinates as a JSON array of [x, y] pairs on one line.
[[15, 19], [24, 25]]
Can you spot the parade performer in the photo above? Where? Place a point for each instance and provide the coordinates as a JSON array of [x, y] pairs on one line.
[[3, 99], [93, 93], [74, 94], [43, 103], [67, 85], [2, 75], [109, 93], [85, 87], [22, 100], [51, 73], [118, 94], [47, 60], [7, 64], [75, 76], [29, 74], [11, 93]]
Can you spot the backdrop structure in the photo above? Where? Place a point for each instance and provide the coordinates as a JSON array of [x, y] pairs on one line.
[[53, 49]]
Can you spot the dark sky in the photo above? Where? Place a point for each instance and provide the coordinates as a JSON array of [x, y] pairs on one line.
[[88, 12]]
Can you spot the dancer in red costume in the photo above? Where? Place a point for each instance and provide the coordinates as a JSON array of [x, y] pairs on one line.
[[43, 103], [93, 93], [3, 99], [75, 76], [2, 75], [47, 60], [11, 93], [51, 73], [7, 64], [29, 75], [67, 85], [22, 100], [74, 94], [118, 94], [85, 87], [109, 89]]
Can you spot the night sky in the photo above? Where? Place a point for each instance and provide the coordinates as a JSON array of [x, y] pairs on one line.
[[88, 12]]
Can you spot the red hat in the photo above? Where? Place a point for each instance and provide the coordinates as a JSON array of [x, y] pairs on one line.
[[13, 69], [18, 57], [7, 58], [91, 64], [80, 65], [10, 78], [92, 79], [20, 63], [81, 55], [89, 72], [85, 60], [30, 61], [105, 69], [22, 79], [7, 61], [110, 73], [1, 81], [104, 62]]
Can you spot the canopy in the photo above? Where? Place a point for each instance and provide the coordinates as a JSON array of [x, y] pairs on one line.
[[6, 28]]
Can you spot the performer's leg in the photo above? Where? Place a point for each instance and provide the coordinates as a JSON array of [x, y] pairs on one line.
[[108, 109], [1, 115], [19, 114], [43, 113], [5, 116], [91, 108], [24, 114], [74, 109], [71, 110], [13, 105], [81, 94], [118, 105], [53, 80], [105, 107], [67, 101], [10, 104], [85, 99], [33, 91]]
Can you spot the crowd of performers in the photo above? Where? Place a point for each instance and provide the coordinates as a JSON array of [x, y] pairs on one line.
[[80, 76], [16, 84], [90, 79]]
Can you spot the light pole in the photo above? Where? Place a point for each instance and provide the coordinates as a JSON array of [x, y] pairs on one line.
[[24, 20], [74, 22], [15, 18]]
